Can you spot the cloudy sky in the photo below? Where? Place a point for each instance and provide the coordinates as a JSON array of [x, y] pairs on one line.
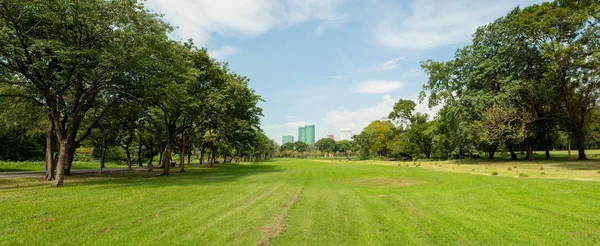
[[332, 63]]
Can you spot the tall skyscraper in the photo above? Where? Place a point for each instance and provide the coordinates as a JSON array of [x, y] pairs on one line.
[[301, 134], [306, 134], [330, 136], [345, 134], [309, 134], [287, 139]]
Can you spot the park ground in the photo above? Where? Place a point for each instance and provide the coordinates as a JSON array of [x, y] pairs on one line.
[[309, 202]]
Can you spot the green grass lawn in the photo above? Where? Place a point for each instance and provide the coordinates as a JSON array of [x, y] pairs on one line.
[[300, 202], [17, 166]]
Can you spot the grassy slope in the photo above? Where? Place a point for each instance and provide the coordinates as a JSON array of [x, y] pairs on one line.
[[300, 202]]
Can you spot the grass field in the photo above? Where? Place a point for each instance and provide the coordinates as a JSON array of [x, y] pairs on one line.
[[13, 166], [301, 202]]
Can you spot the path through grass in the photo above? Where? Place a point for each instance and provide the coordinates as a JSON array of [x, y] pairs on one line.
[[300, 202]]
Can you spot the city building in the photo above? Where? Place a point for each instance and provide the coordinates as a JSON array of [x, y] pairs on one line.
[[287, 139], [345, 134], [330, 136], [306, 134], [301, 135]]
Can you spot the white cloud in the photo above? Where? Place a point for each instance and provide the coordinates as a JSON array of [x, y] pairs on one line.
[[413, 73], [389, 65], [437, 23], [360, 118], [199, 19], [378, 86], [223, 52], [290, 125]]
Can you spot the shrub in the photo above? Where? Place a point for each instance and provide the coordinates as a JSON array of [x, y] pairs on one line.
[[522, 175], [509, 168], [495, 173], [542, 173], [541, 168]]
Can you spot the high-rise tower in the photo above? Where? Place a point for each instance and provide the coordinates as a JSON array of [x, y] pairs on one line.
[[287, 139], [306, 134], [345, 134], [301, 134]]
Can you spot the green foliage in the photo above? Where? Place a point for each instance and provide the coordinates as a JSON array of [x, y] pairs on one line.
[[301, 147], [326, 145]]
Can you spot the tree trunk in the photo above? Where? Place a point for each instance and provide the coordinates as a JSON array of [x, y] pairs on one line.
[[547, 149], [103, 154], [128, 156], [189, 154], [140, 153], [49, 158], [491, 151], [202, 150], [150, 167], [529, 147], [213, 155], [69, 158], [581, 148], [182, 153], [166, 156], [513, 155], [160, 156], [63, 157], [569, 145]]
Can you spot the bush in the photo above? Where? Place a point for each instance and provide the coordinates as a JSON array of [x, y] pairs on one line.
[[84, 154], [509, 168], [542, 173], [522, 175], [364, 155], [495, 173]]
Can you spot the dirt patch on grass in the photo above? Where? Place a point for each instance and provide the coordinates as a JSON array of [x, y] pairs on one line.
[[105, 230], [386, 182], [273, 230]]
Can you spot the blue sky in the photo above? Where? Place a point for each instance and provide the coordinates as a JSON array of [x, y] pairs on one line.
[[332, 63]]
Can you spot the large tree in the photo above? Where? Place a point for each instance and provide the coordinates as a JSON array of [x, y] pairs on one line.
[[72, 57]]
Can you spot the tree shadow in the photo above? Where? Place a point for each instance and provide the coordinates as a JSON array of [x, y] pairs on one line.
[[581, 165], [2, 170], [219, 173]]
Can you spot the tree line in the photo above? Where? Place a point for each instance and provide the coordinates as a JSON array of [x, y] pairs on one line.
[[104, 74], [323, 147], [529, 80]]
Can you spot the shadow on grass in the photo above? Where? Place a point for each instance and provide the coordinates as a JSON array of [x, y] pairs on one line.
[[194, 175], [15, 170]]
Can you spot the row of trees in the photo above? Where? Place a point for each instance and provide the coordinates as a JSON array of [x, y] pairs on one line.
[[529, 80], [104, 73], [324, 146]]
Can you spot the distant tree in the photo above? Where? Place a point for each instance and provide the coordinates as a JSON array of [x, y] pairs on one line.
[[301, 147], [326, 145], [343, 146], [287, 146]]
